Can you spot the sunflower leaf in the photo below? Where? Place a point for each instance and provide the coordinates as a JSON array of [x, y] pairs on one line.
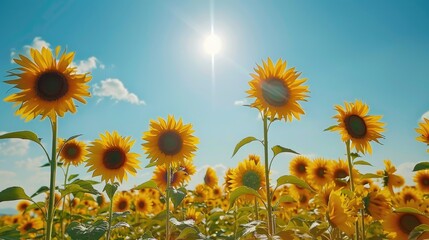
[[73, 176], [73, 137], [293, 180], [87, 184], [243, 142], [13, 193], [279, 149], [188, 233], [40, 190], [177, 195], [421, 166], [83, 231], [418, 231], [409, 210], [152, 164], [330, 128], [243, 190], [74, 188], [287, 199], [28, 135], [148, 184], [354, 155], [110, 189], [9, 232], [362, 162], [35, 206], [121, 224], [370, 175]]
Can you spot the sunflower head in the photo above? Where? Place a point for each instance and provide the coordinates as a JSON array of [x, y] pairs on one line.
[[377, 204], [355, 125], [48, 85], [421, 178], [340, 213], [160, 175], [277, 90], [211, 179], [423, 131], [22, 205], [169, 142], [110, 157], [72, 151], [248, 174], [318, 172], [298, 166], [142, 204], [121, 202], [28, 223]]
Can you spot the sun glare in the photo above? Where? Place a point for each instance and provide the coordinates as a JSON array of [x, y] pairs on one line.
[[212, 45]]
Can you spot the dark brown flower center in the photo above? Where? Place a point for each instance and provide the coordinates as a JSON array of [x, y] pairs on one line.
[[27, 226], [340, 173], [301, 167], [114, 158], [408, 197], [321, 172], [71, 151], [275, 92], [51, 86], [355, 126], [407, 222], [122, 205], [251, 179], [141, 204], [170, 143], [425, 181]]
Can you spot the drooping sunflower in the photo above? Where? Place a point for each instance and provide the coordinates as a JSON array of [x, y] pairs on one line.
[[377, 204], [160, 177], [277, 90], [22, 205], [423, 130], [421, 178], [318, 172], [390, 179], [211, 179], [340, 214], [248, 174], [356, 125], [169, 142], [142, 204], [298, 166], [48, 86], [110, 157], [121, 202], [72, 152]]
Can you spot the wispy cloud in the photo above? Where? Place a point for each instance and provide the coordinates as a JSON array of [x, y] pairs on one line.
[[37, 43], [31, 163], [88, 65], [116, 90], [14, 147], [406, 170], [425, 115]]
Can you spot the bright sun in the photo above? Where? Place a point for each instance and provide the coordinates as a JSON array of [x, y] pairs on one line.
[[212, 45]]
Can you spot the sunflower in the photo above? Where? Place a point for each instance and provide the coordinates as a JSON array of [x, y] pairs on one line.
[[26, 224], [340, 214], [423, 130], [191, 213], [48, 86], [255, 158], [322, 197], [377, 204], [248, 174], [356, 126], [160, 177], [110, 157], [210, 179], [340, 173], [298, 166], [277, 90], [227, 178], [72, 152], [143, 204], [121, 202], [408, 194], [22, 205], [390, 179], [169, 142], [216, 192], [188, 168], [421, 178], [403, 223], [318, 172]]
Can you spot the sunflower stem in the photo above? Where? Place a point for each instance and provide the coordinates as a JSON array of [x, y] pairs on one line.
[[256, 209], [167, 223], [110, 218], [267, 178], [64, 202], [362, 211], [352, 186], [51, 204]]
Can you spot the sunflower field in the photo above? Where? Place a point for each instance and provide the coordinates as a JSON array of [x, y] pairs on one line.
[[320, 199]]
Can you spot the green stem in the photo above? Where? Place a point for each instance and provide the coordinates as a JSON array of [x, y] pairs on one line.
[[51, 204], [267, 178], [110, 218], [363, 223], [64, 202], [167, 224], [352, 186], [256, 209]]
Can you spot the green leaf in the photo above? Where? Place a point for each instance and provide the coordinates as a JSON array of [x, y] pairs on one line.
[[408, 210], [73, 188], [362, 162], [241, 191], [418, 231], [73, 176], [151, 164], [243, 142], [121, 224], [28, 135], [116, 215], [84, 231], [188, 233], [35, 206], [286, 198], [148, 184], [110, 189], [370, 175], [293, 180], [73, 137], [41, 190], [279, 149], [354, 155], [87, 184], [177, 195], [421, 166], [13, 193], [330, 128], [9, 232]]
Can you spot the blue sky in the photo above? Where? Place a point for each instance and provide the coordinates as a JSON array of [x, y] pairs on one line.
[[147, 61]]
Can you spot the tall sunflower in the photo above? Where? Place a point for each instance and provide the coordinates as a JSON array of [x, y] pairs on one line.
[[248, 174], [421, 178], [48, 86], [318, 172], [356, 125], [169, 142], [277, 90], [72, 152], [110, 157], [298, 166], [423, 130], [210, 179]]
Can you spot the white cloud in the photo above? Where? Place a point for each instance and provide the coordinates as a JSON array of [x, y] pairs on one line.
[[116, 90], [406, 170], [241, 102], [38, 43], [31, 163], [14, 147], [88, 65], [425, 115]]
